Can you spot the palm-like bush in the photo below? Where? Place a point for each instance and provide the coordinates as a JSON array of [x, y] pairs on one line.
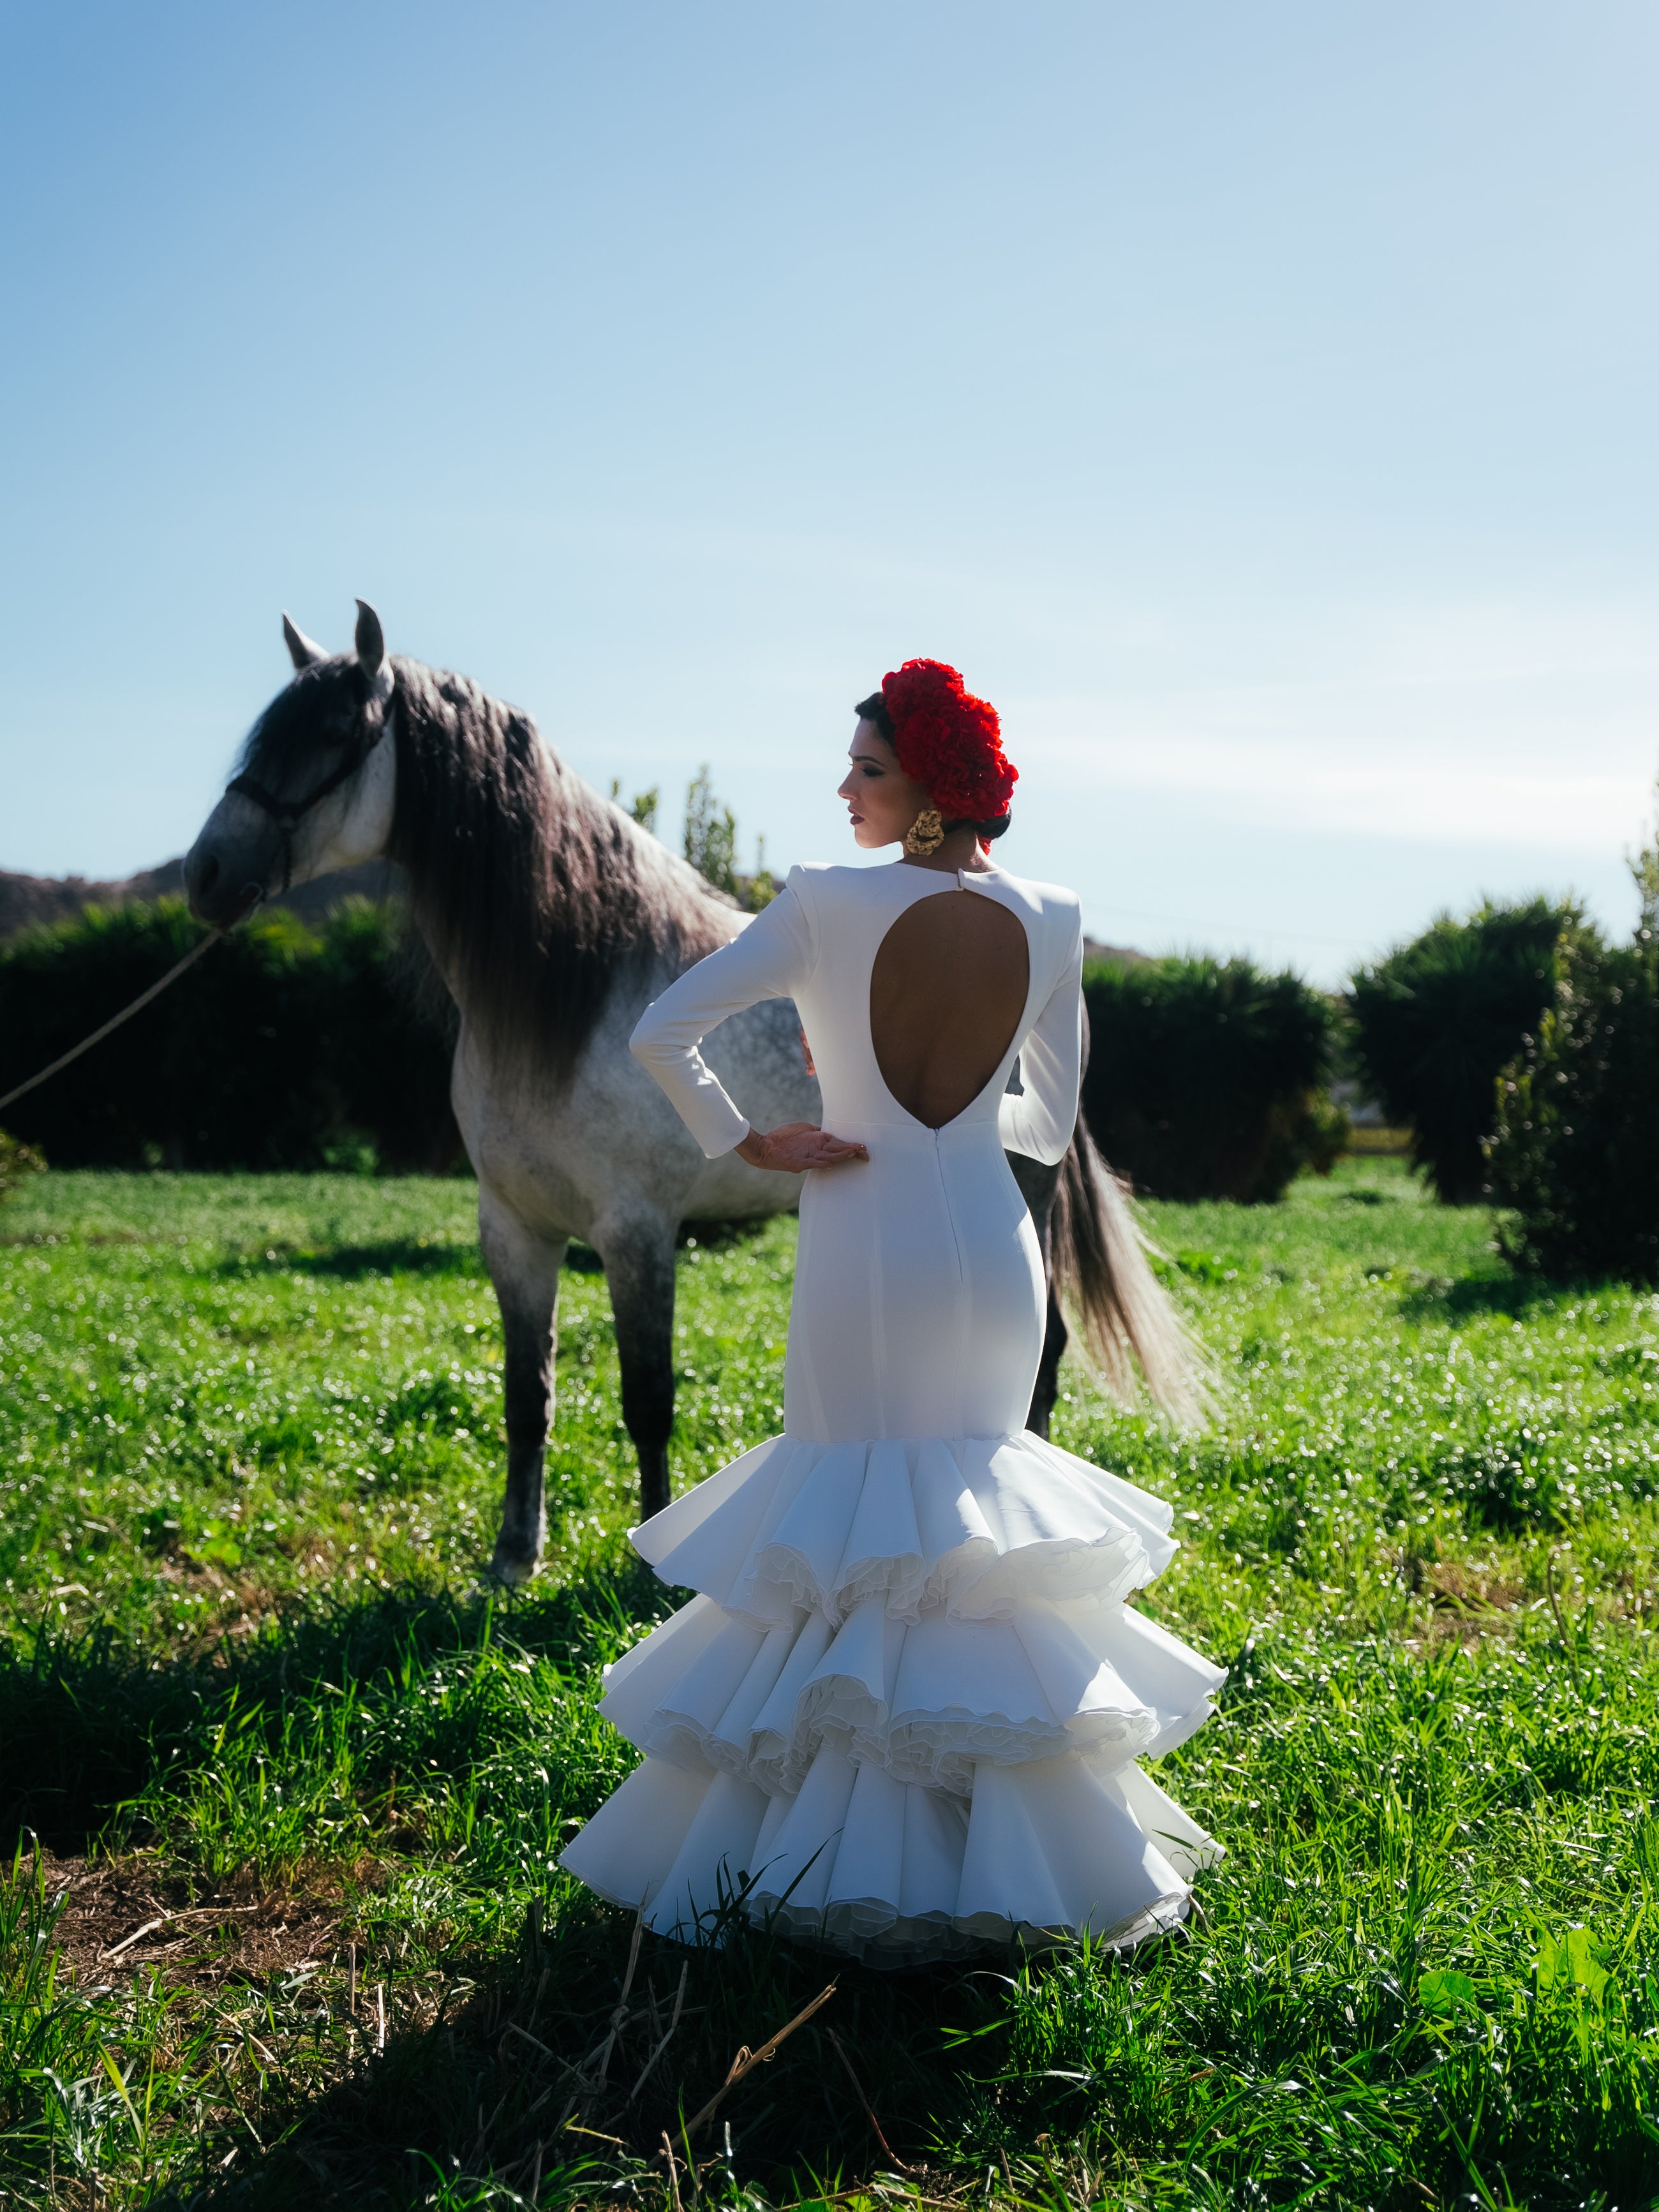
[[1435, 1021]]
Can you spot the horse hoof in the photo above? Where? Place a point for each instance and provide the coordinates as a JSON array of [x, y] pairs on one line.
[[512, 1567]]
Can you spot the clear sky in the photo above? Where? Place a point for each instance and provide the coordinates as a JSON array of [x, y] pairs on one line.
[[1256, 402]]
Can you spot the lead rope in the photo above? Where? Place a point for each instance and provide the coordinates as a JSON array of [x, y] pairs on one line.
[[126, 1015], [287, 815]]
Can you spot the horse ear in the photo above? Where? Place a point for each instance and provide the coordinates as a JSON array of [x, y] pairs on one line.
[[302, 651], [370, 641]]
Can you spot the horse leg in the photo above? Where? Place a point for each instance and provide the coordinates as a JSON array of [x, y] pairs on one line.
[[639, 1265], [525, 1269], [1056, 1338], [1037, 1186]]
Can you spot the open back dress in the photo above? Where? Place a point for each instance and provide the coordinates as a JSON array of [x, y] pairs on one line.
[[905, 1714]]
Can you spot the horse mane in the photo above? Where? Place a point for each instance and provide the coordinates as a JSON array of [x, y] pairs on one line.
[[534, 894]]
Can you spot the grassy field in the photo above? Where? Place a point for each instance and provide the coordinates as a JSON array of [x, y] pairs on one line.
[[283, 1784]]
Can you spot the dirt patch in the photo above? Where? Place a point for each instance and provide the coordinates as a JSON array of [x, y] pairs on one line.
[[1472, 1589], [240, 1604], [1468, 1602], [131, 1915]]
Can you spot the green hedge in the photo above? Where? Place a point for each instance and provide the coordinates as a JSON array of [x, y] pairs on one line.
[[283, 1048], [1435, 1021], [1574, 1152], [1207, 1079], [289, 1047]]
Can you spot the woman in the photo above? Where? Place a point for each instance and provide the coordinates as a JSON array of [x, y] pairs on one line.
[[903, 1715]]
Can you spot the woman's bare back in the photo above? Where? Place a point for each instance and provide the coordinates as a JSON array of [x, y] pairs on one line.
[[947, 991]]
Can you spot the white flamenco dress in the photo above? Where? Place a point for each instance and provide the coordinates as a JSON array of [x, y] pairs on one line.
[[905, 1715]]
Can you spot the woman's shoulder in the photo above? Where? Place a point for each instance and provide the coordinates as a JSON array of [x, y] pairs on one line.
[[1044, 898], [822, 883], [826, 871]]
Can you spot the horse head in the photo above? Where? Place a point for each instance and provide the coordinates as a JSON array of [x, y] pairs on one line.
[[315, 787]]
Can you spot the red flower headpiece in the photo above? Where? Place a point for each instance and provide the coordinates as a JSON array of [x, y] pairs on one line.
[[949, 740]]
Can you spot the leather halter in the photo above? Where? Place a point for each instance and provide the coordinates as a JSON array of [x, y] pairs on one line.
[[289, 813]]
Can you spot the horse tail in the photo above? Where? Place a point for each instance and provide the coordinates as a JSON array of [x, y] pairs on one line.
[[1101, 1263]]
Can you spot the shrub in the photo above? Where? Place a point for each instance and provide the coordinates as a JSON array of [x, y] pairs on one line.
[[1433, 1023], [1574, 1152], [283, 1048], [16, 1161], [711, 844], [711, 835], [643, 805], [1206, 1079], [384, 1040]]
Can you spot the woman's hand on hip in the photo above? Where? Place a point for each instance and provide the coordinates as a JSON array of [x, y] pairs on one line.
[[797, 1146]]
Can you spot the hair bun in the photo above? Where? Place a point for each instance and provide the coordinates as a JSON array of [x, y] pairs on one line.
[[951, 742]]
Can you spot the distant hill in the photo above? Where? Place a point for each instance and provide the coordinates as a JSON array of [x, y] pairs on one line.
[[26, 901], [1125, 954]]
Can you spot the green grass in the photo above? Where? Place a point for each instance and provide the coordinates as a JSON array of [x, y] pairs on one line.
[[250, 1453]]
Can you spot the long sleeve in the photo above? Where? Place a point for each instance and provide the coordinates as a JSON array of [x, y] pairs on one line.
[[1039, 1120], [768, 959]]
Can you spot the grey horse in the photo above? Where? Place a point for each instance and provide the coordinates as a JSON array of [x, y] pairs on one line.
[[554, 920]]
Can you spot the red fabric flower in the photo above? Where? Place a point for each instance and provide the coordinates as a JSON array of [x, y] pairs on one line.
[[950, 741]]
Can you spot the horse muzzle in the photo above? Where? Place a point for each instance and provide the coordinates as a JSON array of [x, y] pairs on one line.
[[228, 870]]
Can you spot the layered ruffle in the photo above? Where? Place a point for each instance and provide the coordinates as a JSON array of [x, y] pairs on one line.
[[928, 1701], [902, 1715], [893, 1874], [974, 1525]]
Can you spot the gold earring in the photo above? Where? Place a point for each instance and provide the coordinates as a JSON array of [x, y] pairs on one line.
[[926, 833]]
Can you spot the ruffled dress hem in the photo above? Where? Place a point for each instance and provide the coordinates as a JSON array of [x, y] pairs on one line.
[[903, 1718]]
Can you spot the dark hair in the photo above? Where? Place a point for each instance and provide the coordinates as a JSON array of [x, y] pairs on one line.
[[873, 710]]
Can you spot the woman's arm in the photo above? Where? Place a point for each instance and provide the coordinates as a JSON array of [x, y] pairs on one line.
[[1039, 1120], [770, 959]]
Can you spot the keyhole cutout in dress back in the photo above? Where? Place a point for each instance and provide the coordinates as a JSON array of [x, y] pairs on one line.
[[946, 994]]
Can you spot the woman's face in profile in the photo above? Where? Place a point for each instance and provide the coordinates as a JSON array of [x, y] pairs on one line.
[[881, 800]]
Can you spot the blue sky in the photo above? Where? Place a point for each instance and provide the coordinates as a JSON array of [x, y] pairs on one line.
[[1255, 401]]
